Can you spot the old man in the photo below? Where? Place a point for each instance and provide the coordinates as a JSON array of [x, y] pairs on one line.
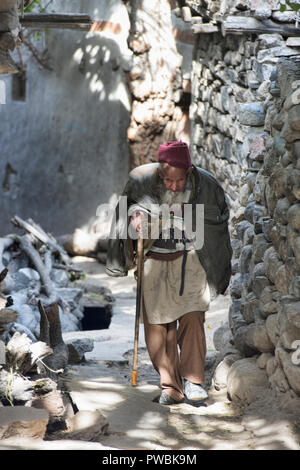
[[182, 272]]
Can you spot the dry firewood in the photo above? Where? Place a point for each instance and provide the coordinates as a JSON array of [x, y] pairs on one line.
[[22, 354], [3, 274], [34, 256], [17, 350], [4, 244], [14, 388], [74, 273], [44, 325], [41, 235], [50, 332], [47, 260], [38, 351], [48, 397], [68, 268], [7, 315]]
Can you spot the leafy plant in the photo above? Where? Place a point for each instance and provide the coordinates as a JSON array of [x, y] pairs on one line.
[[294, 6], [36, 5]]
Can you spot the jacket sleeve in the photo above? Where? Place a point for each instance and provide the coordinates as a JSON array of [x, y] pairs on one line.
[[216, 254], [120, 250]]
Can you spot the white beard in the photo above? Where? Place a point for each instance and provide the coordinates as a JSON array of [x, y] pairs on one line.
[[170, 197]]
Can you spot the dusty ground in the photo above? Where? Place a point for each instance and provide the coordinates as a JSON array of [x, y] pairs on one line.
[[136, 420]]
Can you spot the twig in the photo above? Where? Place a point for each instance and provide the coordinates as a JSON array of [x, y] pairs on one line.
[[58, 371], [42, 61]]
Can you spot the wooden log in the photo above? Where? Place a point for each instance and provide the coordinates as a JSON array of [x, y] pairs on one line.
[[51, 333], [17, 350], [55, 17], [34, 256], [249, 25], [44, 324], [7, 315], [65, 267], [23, 354], [14, 388], [41, 235], [3, 274], [56, 20], [64, 21], [205, 28], [38, 351]]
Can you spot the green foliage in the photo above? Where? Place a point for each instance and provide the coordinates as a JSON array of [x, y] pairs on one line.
[[35, 3], [294, 6], [37, 6]]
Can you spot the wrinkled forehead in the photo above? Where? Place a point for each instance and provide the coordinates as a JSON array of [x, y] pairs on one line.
[[173, 172]]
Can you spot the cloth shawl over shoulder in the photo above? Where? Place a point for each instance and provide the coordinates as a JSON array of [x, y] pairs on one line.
[[216, 253]]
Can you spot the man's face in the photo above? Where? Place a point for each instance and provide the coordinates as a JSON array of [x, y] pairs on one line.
[[174, 179]]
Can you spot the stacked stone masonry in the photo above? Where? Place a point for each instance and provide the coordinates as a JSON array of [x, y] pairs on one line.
[[245, 115]]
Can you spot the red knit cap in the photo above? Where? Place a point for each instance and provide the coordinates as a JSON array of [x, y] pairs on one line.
[[175, 154]]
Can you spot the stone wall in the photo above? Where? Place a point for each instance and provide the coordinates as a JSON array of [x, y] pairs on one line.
[[245, 130], [156, 80]]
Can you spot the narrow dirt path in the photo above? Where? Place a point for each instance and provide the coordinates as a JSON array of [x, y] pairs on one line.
[[136, 420]]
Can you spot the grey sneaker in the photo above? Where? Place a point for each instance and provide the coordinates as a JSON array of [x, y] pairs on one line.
[[165, 399], [194, 392]]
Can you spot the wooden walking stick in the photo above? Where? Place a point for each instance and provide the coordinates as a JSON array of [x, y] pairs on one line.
[[138, 309]]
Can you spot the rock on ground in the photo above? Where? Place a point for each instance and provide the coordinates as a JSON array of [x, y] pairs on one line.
[[22, 421]]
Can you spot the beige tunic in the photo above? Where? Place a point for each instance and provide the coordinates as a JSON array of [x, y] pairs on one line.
[[161, 284]]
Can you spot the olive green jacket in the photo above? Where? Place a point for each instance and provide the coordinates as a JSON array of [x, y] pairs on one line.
[[216, 252]]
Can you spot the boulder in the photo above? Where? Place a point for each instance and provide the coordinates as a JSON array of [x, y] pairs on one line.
[[292, 310], [251, 114], [219, 379], [258, 338], [23, 421], [293, 216], [291, 370], [246, 381], [77, 347], [272, 328], [269, 301]]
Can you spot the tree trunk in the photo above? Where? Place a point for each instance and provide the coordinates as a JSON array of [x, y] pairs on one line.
[[52, 335]]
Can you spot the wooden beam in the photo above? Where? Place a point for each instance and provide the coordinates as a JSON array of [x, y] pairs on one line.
[[205, 28], [67, 21], [247, 24], [55, 18], [61, 21]]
